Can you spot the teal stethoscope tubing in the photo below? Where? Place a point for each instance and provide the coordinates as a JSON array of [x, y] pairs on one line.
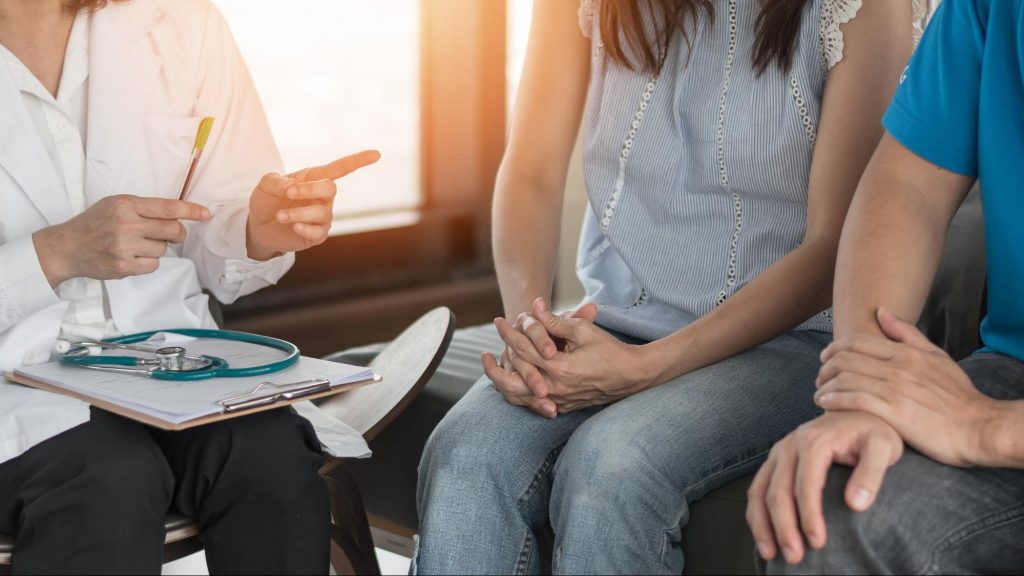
[[218, 368]]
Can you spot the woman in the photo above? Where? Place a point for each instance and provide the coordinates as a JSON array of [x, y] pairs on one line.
[[723, 142], [99, 107]]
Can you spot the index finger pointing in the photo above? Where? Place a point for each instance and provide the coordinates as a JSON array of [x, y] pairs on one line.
[[164, 209], [341, 167]]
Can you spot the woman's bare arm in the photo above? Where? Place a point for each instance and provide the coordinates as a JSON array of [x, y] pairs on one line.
[[531, 183]]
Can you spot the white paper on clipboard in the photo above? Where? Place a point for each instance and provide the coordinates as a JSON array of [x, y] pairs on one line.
[[177, 402]]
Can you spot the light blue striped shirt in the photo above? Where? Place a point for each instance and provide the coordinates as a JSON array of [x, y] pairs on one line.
[[698, 178]]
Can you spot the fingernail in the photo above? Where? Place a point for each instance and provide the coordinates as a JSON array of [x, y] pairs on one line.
[[790, 555], [205, 214], [549, 351], [293, 192], [282, 217], [765, 551], [861, 499], [825, 399]]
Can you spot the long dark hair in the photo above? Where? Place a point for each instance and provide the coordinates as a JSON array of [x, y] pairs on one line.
[[629, 42]]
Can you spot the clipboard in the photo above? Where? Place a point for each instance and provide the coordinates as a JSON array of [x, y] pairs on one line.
[[270, 400]]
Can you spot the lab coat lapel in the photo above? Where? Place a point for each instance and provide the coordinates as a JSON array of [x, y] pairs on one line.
[[23, 156], [123, 69]]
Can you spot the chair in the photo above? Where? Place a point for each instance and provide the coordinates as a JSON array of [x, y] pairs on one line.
[[406, 366]]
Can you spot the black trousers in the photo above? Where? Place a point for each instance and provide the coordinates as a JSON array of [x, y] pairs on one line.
[[94, 499]]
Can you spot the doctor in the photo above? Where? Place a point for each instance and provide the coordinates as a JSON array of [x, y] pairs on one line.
[[99, 105]]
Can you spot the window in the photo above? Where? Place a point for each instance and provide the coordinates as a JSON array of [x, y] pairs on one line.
[[520, 14], [424, 81], [336, 77]]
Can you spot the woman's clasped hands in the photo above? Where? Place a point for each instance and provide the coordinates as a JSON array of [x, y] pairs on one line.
[[556, 364]]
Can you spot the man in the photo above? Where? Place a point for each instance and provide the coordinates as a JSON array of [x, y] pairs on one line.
[[936, 448], [99, 108]]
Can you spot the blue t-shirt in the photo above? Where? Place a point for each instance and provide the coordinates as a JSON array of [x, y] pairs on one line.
[[960, 106]]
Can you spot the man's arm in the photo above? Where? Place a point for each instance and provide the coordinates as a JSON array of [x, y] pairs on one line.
[[917, 389], [893, 238], [1002, 440]]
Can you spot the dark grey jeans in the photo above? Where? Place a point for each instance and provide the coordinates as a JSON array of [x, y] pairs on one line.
[[930, 518]]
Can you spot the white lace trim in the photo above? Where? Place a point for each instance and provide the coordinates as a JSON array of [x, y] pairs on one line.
[[923, 10], [723, 170], [801, 107], [834, 14], [588, 12], [627, 149]]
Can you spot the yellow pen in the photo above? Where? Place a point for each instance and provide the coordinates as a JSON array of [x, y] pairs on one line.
[[197, 152]]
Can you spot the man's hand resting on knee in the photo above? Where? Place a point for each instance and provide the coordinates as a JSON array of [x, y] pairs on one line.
[[880, 394], [785, 501]]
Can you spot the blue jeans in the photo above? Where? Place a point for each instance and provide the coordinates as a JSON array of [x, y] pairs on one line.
[[607, 490], [930, 518]]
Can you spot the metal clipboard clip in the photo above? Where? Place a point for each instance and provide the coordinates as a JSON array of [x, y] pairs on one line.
[[269, 393]]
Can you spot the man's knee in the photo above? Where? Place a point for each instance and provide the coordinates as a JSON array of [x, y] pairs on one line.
[[858, 542]]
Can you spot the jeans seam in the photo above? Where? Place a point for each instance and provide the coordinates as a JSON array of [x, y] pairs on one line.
[[523, 563], [760, 454], [696, 488], [970, 531]]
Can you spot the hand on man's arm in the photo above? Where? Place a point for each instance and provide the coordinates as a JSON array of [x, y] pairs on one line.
[[921, 392], [880, 394], [888, 256]]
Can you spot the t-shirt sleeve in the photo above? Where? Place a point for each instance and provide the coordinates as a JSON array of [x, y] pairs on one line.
[[935, 110]]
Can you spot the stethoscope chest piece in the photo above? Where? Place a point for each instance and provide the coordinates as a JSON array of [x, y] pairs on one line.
[[176, 359]]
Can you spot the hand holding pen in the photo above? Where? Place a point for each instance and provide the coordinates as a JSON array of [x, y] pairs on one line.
[[117, 237], [286, 213], [205, 127]]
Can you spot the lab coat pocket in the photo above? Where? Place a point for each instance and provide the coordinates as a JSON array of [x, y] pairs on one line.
[[169, 140]]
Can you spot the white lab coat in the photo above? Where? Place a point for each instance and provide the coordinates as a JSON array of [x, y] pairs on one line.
[[155, 68]]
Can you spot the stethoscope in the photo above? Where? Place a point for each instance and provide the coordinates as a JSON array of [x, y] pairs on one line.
[[174, 362]]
